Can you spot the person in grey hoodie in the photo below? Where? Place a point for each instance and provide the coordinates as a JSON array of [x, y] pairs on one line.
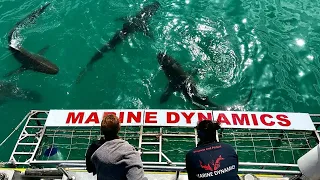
[[111, 157]]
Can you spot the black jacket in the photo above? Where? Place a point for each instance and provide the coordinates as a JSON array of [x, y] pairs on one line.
[[212, 161], [91, 149]]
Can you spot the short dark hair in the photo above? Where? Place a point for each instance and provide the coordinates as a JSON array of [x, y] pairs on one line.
[[207, 130], [110, 126]]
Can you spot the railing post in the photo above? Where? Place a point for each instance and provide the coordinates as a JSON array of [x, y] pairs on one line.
[[65, 173], [177, 175]]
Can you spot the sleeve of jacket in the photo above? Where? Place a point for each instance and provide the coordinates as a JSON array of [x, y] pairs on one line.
[[134, 165], [89, 165], [190, 171]]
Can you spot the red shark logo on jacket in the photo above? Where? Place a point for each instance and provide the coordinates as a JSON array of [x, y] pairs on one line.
[[215, 165], [205, 167]]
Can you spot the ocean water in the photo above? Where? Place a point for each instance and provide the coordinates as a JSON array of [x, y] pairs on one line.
[[271, 45]]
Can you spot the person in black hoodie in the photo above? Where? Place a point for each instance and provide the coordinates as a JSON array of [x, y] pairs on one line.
[[211, 159]]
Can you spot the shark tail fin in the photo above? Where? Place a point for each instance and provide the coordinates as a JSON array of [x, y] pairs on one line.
[[30, 19], [246, 101], [83, 72], [80, 76]]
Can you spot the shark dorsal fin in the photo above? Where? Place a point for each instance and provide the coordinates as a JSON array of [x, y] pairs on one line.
[[43, 50]]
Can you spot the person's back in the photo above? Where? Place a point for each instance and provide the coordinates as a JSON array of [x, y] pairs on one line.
[[111, 157], [211, 160], [113, 160]]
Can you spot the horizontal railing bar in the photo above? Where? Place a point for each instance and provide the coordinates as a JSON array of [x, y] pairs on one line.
[[151, 143], [20, 163], [258, 171], [42, 119], [27, 144], [267, 171], [34, 126], [257, 131], [181, 135], [82, 162], [175, 135], [150, 152], [23, 153]]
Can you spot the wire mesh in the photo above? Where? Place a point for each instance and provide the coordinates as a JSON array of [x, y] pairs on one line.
[[259, 146]]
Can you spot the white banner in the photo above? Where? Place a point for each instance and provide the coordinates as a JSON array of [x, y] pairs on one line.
[[183, 118]]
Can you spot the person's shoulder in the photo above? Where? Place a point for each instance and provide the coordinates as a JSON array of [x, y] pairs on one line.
[[126, 145], [191, 151], [226, 146]]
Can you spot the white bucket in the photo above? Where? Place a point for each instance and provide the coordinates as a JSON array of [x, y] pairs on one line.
[[309, 164]]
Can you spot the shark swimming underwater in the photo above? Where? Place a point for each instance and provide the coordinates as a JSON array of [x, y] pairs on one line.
[[138, 23], [29, 61], [182, 81]]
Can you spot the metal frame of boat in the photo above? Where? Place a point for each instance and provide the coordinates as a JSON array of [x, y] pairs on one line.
[[34, 130]]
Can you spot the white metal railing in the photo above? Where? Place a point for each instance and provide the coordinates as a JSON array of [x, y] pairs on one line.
[[73, 166], [80, 164], [30, 138]]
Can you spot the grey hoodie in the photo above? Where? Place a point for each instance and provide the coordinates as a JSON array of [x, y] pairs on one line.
[[117, 160]]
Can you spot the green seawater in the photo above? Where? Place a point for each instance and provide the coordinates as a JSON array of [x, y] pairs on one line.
[[270, 44]]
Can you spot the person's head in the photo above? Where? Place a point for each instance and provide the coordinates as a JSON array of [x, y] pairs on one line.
[[110, 126], [207, 131]]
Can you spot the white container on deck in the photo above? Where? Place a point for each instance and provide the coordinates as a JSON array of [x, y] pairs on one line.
[[309, 164]]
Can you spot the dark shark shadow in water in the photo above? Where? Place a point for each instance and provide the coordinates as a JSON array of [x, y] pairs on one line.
[[179, 80], [29, 61], [131, 25], [9, 91]]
